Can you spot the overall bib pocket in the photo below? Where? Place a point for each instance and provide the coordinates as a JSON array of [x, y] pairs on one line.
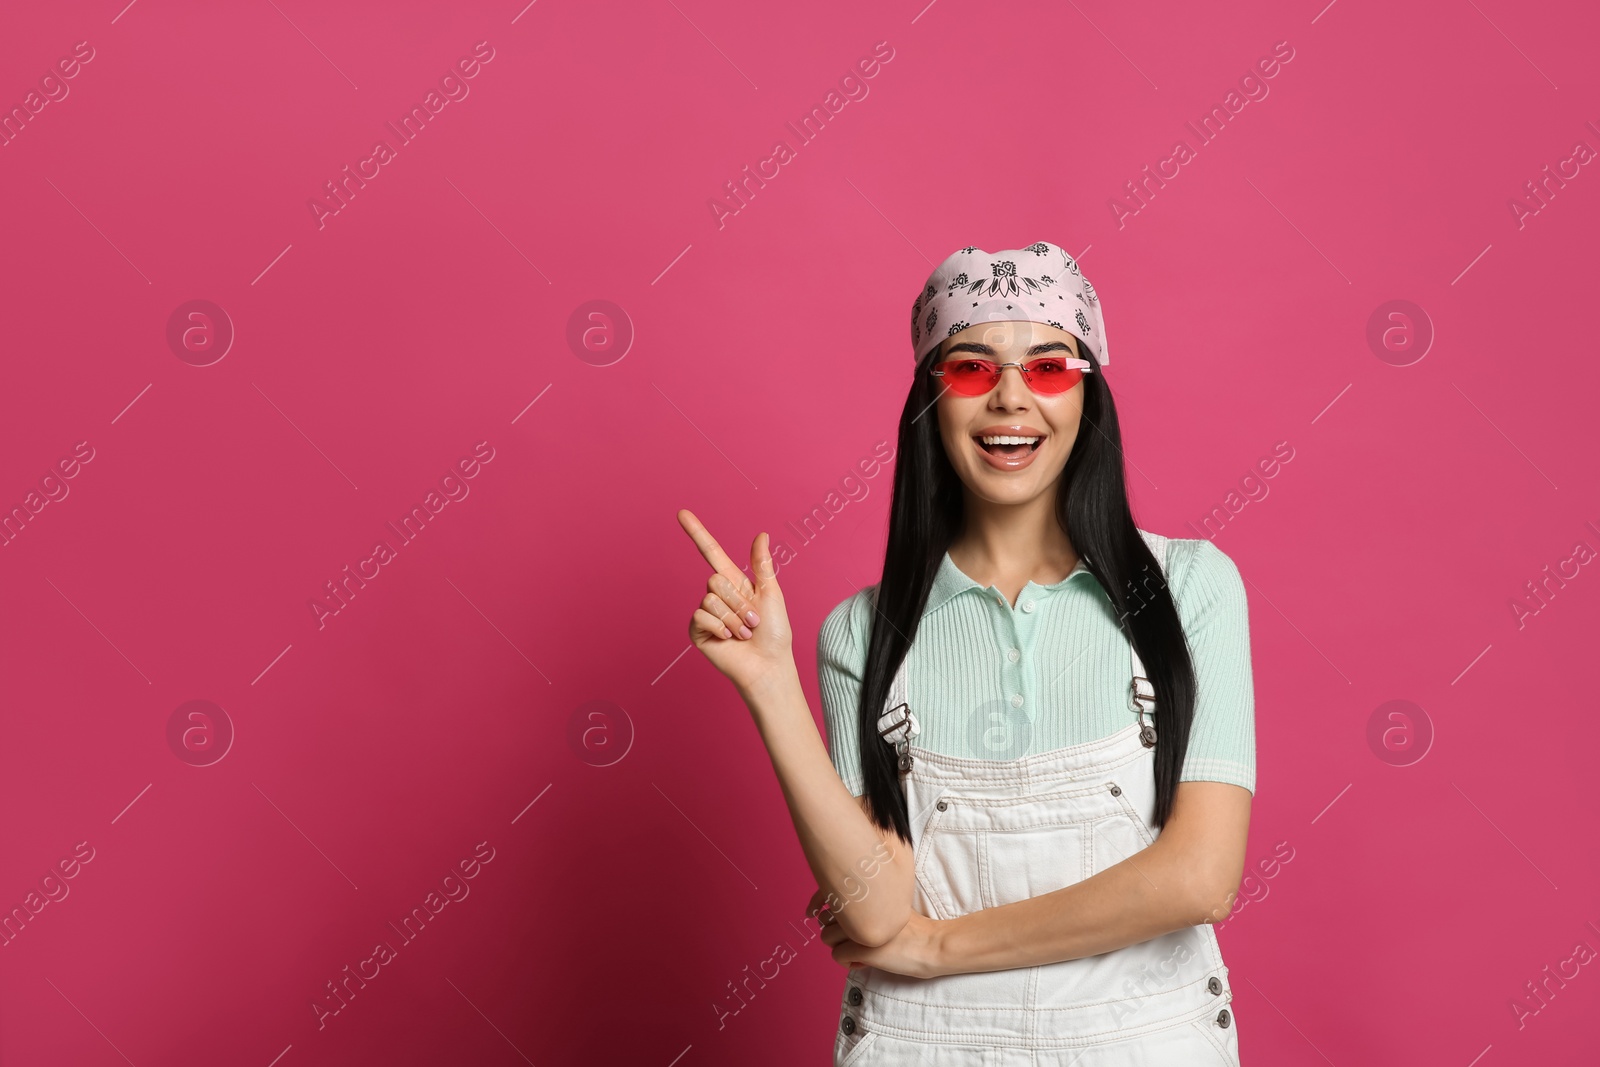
[[981, 851]]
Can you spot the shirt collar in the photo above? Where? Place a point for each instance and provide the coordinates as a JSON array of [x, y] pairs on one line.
[[951, 580]]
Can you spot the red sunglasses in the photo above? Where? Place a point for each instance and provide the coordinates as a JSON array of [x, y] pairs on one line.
[[1047, 375]]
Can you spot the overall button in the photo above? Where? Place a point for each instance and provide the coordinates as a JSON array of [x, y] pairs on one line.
[[1222, 1018], [848, 1026], [941, 805], [1027, 605], [855, 995], [1214, 984], [1016, 700], [1116, 791], [1014, 655]]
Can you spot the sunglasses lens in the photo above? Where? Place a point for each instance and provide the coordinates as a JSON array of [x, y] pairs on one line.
[[1050, 376], [969, 377]]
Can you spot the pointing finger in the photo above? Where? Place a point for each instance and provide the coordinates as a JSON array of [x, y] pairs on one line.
[[713, 552]]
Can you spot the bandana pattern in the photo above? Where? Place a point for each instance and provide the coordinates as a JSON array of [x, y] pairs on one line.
[[1039, 283]]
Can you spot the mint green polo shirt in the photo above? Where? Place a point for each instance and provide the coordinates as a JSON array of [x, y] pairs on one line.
[[992, 680]]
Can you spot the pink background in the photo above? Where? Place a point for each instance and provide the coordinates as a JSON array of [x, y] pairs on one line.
[[447, 703]]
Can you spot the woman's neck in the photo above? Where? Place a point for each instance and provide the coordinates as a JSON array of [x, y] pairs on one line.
[[1010, 549]]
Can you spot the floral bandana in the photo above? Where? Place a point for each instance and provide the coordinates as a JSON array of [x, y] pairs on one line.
[[1040, 283]]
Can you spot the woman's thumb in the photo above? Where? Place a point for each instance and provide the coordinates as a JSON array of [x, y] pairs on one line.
[[761, 564]]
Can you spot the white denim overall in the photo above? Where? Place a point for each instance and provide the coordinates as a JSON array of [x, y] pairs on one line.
[[989, 832]]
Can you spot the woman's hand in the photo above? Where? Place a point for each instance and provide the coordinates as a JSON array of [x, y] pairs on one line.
[[914, 952], [742, 627]]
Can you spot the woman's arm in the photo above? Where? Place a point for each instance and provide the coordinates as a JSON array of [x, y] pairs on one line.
[[1188, 876], [866, 868], [865, 874]]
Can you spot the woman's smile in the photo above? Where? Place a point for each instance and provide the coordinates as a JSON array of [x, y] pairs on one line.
[[1010, 447]]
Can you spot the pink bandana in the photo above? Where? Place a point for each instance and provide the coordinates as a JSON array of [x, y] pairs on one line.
[[1040, 283]]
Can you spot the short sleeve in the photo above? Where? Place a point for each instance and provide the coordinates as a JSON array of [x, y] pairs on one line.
[[841, 661], [1211, 601]]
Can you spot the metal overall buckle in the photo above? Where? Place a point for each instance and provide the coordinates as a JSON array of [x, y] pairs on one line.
[[1136, 699], [898, 726]]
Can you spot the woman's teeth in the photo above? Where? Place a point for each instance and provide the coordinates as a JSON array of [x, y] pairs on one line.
[[1006, 443]]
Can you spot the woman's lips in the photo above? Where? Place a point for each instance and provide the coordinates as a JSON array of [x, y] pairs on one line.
[[1006, 463]]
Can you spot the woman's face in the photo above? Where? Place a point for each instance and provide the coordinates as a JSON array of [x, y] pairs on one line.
[[1001, 474]]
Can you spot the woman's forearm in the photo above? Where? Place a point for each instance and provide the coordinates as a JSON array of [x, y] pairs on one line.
[[868, 869], [1153, 892]]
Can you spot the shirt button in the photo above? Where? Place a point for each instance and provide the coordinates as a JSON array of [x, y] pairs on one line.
[[1000, 600], [1222, 1018], [1016, 700], [1014, 655], [848, 1025], [1214, 984], [1027, 605], [855, 995]]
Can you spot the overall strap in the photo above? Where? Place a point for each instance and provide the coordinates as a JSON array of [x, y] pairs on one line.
[[898, 724], [1141, 694]]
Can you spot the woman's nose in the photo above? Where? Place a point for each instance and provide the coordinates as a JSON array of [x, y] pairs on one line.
[[1012, 384]]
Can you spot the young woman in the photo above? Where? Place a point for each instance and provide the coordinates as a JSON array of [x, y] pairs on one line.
[[1041, 753]]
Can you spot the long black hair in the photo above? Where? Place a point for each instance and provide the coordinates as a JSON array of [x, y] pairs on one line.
[[925, 516]]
